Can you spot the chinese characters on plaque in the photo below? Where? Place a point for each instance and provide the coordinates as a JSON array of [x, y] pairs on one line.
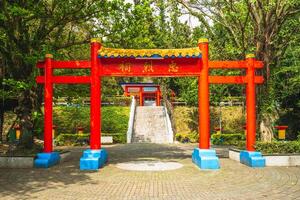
[[173, 67], [126, 67], [148, 67]]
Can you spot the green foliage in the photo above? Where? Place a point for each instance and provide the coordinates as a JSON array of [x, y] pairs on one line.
[[68, 118], [278, 147], [26, 139], [117, 100], [71, 139], [13, 87], [115, 119], [187, 137], [232, 117], [117, 137], [38, 123], [29, 29], [84, 139], [227, 139], [286, 83], [274, 147]]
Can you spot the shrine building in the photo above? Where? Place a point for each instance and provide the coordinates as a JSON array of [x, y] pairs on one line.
[[146, 94]]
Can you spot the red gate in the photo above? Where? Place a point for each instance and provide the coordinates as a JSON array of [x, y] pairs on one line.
[[154, 63]]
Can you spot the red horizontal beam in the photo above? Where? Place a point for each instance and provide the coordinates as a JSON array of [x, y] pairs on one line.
[[155, 67], [85, 64], [233, 64], [76, 64], [40, 64], [66, 79], [212, 80], [233, 79]]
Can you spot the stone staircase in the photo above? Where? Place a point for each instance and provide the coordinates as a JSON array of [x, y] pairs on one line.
[[150, 125]]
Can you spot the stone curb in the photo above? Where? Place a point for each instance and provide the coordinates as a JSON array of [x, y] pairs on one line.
[[26, 161], [280, 160]]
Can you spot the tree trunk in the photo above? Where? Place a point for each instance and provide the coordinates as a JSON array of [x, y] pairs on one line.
[[266, 130], [24, 110], [1, 121]]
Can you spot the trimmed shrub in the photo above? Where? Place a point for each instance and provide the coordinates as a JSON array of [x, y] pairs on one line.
[[114, 119], [120, 100], [278, 147], [84, 139], [274, 147], [187, 137], [227, 139], [72, 139], [118, 137]]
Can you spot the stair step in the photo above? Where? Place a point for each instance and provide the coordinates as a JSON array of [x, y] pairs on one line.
[[150, 125]]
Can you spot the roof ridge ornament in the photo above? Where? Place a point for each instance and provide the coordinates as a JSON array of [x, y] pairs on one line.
[[202, 40]]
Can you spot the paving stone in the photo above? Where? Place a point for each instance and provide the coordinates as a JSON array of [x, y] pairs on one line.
[[233, 181]]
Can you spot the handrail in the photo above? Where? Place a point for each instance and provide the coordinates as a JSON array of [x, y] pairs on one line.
[[131, 120], [169, 126]]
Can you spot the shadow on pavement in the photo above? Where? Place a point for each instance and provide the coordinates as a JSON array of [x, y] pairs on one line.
[[146, 151], [16, 182]]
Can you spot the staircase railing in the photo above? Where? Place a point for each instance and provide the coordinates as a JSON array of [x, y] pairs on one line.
[[131, 120], [169, 126], [169, 117]]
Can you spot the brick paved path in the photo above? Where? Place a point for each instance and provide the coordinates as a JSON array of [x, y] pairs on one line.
[[232, 181]]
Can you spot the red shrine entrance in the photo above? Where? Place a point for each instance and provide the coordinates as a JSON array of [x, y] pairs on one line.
[[147, 94], [155, 63]]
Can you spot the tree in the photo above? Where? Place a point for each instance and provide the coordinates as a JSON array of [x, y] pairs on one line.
[[252, 26], [29, 29]]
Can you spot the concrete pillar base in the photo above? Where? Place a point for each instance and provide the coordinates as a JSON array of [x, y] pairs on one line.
[[93, 159], [252, 159], [206, 158], [46, 160]]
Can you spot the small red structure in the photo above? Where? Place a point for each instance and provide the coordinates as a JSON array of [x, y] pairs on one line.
[[148, 94], [218, 130], [80, 130], [54, 131], [150, 63], [17, 128], [281, 132]]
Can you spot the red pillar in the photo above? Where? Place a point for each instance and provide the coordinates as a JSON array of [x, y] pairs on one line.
[[157, 97], [95, 112], [48, 94], [203, 97], [141, 96], [250, 103], [126, 91]]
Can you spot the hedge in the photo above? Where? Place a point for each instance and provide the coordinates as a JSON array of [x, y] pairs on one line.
[[114, 119], [278, 147], [83, 139], [274, 147], [187, 137], [227, 139], [71, 139]]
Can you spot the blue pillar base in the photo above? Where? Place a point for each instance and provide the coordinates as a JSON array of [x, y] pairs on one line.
[[93, 159], [206, 158], [46, 160], [252, 159]]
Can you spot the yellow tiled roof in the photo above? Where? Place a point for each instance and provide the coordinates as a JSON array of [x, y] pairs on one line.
[[114, 52]]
